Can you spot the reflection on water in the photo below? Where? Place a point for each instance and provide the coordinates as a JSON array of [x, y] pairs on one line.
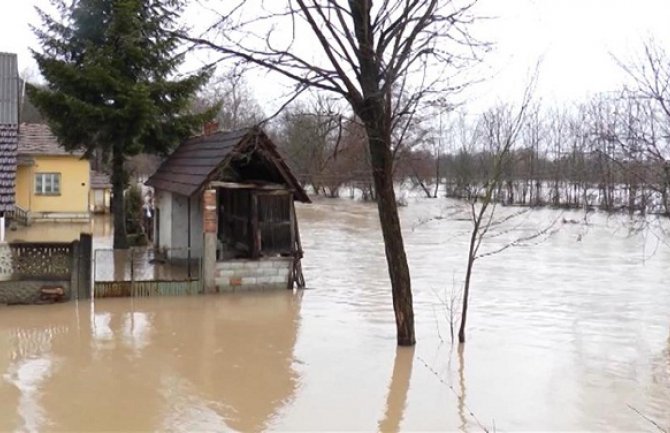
[[169, 364], [396, 399], [462, 389], [567, 335], [100, 226]]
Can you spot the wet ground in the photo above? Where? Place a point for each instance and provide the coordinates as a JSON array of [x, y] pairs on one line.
[[571, 334]]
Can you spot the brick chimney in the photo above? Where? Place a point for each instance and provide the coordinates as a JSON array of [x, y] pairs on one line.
[[210, 128]]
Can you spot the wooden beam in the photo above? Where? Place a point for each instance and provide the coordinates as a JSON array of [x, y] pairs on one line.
[[275, 192], [254, 228], [241, 185], [291, 274]]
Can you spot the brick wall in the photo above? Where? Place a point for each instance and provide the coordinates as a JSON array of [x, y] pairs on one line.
[[262, 274]]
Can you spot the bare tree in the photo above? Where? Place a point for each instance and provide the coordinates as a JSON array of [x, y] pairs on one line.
[[309, 134], [651, 125], [366, 53], [231, 92], [499, 129]]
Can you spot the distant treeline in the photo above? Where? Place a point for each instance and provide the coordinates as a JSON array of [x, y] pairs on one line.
[[612, 152]]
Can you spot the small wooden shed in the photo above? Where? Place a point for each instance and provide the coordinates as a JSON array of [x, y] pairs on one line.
[[227, 199]]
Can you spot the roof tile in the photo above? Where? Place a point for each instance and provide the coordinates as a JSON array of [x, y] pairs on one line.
[[194, 161], [37, 139]]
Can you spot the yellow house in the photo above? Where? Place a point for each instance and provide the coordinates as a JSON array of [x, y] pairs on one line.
[[51, 183]]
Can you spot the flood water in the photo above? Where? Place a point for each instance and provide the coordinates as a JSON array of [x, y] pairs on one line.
[[570, 334], [100, 226]]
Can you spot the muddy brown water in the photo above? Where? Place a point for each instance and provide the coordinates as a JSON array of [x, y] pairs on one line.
[[571, 334]]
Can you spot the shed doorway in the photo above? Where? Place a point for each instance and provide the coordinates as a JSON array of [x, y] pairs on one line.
[[255, 223]]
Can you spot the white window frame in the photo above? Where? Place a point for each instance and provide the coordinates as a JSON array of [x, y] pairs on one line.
[[47, 183]]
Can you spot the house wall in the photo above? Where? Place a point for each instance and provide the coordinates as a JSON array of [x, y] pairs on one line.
[[73, 200], [24, 186], [173, 223], [197, 234], [163, 202], [180, 224], [269, 273]]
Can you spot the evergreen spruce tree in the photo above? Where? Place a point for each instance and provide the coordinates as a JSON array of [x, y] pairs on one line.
[[111, 67]]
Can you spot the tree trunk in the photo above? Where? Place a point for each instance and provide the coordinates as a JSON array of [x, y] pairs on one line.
[[468, 273], [423, 186], [374, 109], [381, 158], [118, 202], [437, 175]]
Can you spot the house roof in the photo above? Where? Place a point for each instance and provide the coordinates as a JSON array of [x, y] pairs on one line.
[[37, 139], [9, 119], [100, 180], [8, 142], [9, 89], [198, 159]]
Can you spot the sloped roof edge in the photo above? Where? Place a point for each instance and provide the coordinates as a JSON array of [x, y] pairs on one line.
[[194, 161]]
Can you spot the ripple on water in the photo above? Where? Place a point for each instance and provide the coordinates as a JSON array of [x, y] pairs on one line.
[[565, 335]]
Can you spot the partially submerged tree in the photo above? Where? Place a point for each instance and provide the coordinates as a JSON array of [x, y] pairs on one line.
[[110, 68], [647, 131], [310, 134], [498, 130], [366, 54]]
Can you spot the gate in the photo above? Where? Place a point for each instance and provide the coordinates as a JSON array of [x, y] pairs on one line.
[[145, 272]]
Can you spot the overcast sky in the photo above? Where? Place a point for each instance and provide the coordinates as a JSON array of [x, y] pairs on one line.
[[575, 39]]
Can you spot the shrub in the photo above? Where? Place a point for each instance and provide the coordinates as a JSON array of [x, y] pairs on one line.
[[134, 210]]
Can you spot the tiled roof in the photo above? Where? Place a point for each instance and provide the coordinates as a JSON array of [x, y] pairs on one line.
[[9, 89], [195, 160], [37, 139], [100, 180], [8, 142], [9, 118], [191, 163]]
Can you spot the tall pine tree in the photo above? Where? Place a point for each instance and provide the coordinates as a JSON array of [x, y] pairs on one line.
[[110, 66]]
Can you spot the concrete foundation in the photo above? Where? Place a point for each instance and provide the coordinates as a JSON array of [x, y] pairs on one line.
[[262, 274]]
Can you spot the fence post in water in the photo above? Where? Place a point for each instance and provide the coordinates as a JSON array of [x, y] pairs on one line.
[[85, 260], [132, 268], [291, 272], [74, 270], [255, 243], [188, 236], [188, 264]]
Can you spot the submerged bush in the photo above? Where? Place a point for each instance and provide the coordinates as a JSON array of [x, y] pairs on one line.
[[133, 211]]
